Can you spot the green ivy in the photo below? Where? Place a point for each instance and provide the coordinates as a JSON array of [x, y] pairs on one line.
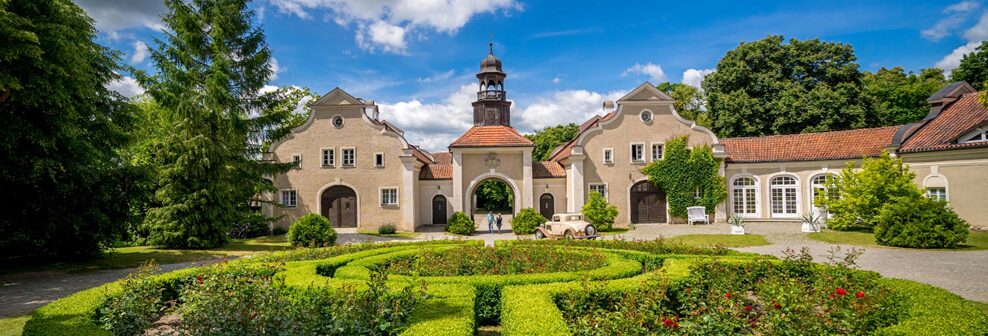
[[682, 172]]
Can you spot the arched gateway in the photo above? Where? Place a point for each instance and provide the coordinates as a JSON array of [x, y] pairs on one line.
[[339, 204], [648, 203]]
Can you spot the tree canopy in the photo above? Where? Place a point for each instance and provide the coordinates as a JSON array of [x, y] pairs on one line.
[[772, 86], [900, 97], [549, 138], [690, 101], [973, 67]]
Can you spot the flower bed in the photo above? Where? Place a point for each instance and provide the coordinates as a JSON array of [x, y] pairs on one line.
[[673, 289]]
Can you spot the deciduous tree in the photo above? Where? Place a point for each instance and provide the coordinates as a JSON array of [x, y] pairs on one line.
[[549, 138], [973, 67], [900, 97], [690, 101]]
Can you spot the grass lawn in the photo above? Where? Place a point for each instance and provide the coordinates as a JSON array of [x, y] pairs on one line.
[[725, 240], [614, 231], [975, 240], [134, 256], [981, 305], [399, 234], [13, 326]]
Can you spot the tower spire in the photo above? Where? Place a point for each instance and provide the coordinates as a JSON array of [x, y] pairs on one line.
[[491, 45], [492, 106]]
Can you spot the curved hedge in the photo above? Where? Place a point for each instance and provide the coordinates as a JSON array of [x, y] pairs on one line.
[[523, 304]]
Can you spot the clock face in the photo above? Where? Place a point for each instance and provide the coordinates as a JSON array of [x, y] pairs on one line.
[[337, 121]]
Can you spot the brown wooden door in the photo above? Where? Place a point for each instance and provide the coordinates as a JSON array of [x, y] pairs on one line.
[[547, 205], [439, 209], [339, 204], [648, 203]]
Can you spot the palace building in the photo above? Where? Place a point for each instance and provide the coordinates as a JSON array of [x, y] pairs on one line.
[[359, 170]]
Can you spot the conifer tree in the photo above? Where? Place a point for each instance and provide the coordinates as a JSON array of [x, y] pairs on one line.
[[211, 67]]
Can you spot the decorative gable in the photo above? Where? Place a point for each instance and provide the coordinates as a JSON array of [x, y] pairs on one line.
[[337, 97], [645, 92]]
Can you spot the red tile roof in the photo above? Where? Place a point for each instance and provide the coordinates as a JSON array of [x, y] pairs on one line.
[[492, 136], [955, 120], [548, 169], [837, 145], [443, 157], [436, 171]]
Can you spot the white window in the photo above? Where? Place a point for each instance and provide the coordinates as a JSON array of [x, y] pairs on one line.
[[379, 160], [289, 198], [938, 193], [785, 196], [744, 196], [389, 196], [328, 157], [656, 151], [349, 157], [600, 188], [637, 153], [979, 135], [818, 185], [297, 159], [608, 155], [697, 192]]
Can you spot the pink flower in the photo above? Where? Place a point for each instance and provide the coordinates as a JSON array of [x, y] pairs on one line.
[[859, 294]]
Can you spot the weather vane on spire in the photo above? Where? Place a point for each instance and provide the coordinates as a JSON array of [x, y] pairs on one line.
[[491, 44]]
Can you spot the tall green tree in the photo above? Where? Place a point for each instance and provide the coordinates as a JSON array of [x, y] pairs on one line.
[[772, 86], [65, 187], [900, 97], [549, 138], [690, 101], [212, 64], [494, 194], [973, 67]]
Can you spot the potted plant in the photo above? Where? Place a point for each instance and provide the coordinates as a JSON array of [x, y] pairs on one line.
[[811, 222], [737, 224]]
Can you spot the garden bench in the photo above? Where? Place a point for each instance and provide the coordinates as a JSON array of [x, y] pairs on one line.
[[697, 214]]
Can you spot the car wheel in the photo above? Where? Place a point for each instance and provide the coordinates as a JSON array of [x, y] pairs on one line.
[[590, 230], [539, 234], [569, 235]]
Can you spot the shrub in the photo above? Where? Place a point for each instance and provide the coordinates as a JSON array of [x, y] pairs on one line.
[[254, 225], [136, 307], [232, 304], [312, 230], [862, 193], [277, 231], [599, 213], [477, 260], [921, 222], [460, 223], [526, 221], [387, 229]]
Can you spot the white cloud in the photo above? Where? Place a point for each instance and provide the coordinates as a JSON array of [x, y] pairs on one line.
[[439, 77], [562, 107], [385, 24], [140, 52], [693, 77], [963, 6], [953, 60], [114, 15], [126, 86], [979, 32], [957, 14], [557, 80], [274, 67], [653, 71]]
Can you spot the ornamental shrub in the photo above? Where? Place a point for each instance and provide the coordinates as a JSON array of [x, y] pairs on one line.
[[862, 193], [526, 221], [387, 229], [920, 222], [312, 230], [682, 172], [460, 224], [136, 307], [599, 213]]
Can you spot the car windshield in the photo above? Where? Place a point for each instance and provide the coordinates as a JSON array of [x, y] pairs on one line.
[[574, 218]]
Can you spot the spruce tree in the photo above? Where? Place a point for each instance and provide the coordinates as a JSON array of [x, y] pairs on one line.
[[211, 67]]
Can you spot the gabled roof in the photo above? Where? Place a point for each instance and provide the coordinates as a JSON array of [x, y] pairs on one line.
[[492, 136], [436, 171], [836, 145], [953, 121], [443, 157], [548, 169], [952, 90]]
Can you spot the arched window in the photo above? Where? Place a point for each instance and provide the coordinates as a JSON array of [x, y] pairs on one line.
[[785, 196], [744, 196], [818, 185]]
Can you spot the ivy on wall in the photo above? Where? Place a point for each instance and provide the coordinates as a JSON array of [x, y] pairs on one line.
[[688, 176]]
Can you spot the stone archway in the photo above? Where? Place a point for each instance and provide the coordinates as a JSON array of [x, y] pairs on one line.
[[339, 204], [502, 189], [648, 203]]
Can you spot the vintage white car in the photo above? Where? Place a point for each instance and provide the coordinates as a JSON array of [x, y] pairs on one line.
[[566, 226]]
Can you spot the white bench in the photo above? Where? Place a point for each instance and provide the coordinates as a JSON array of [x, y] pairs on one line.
[[697, 214]]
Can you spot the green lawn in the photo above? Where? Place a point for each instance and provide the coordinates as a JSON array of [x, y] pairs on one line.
[[134, 256], [614, 231], [13, 326], [975, 240], [399, 234], [725, 240]]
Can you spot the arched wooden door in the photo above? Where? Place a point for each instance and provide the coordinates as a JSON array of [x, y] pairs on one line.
[[648, 203], [339, 204], [439, 210], [547, 205]]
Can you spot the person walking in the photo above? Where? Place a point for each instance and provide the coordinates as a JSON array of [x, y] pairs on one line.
[[498, 221], [490, 221]]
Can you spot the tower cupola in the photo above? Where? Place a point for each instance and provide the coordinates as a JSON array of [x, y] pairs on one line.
[[492, 106]]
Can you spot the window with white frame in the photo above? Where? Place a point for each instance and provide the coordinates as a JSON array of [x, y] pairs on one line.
[[389, 196], [328, 157], [785, 191], [297, 159], [656, 151], [600, 188], [819, 187], [978, 135], [608, 155], [744, 196], [349, 157], [939, 193], [289, 198], [379, 160], [697, 192], [637, 152]]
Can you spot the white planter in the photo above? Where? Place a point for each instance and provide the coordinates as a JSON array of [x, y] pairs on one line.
[[738, 230], [807, 228]]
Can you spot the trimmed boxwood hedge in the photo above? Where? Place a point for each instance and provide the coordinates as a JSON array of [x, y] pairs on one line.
[[523, 303]]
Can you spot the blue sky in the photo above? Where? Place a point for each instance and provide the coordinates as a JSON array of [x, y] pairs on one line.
[[417, 58]]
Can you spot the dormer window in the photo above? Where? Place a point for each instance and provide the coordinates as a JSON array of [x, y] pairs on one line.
[[979, 135]]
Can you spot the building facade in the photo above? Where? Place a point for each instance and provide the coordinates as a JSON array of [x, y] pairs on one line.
[[359, 171]]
